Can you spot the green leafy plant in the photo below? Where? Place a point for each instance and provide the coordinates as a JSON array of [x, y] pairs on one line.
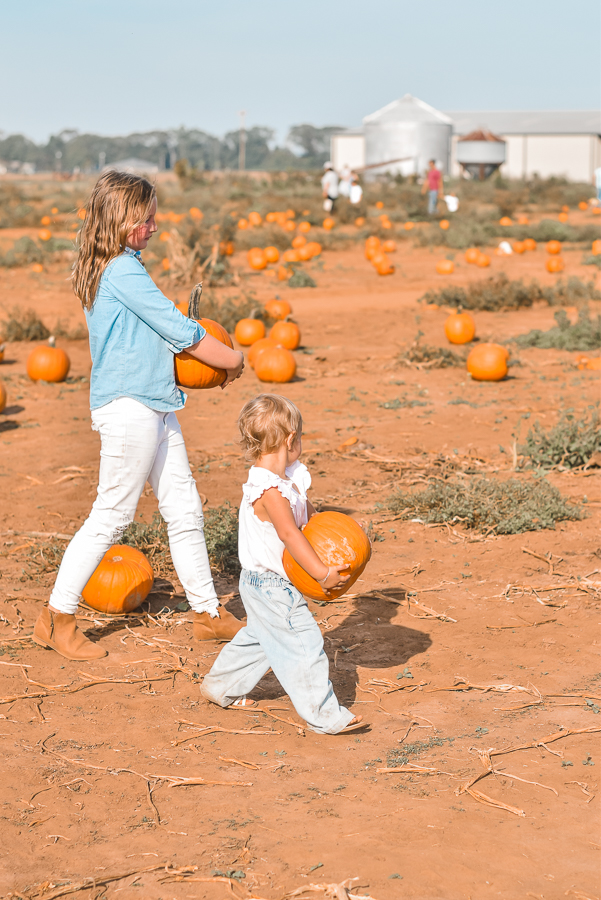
[[486, 505], [585, 334], [569, 444]]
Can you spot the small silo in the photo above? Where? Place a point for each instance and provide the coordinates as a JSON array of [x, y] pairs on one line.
[[402, 137], [480, 153]]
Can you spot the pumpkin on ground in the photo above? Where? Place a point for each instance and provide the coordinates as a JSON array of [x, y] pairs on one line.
[[389, 246], [408, 226], [384, 266], [305, 253], [226, 248], [196, 375], [278, 309], [121, 582], [529, 244], [372, 245], [271, 217], [272, 254], [242, 224], [48, 363], [2, 397], [257, 348], [444, 224], [314, 248], [554, 264], [523, 219], [328, 223], [45, 220], [38, 268], [338, 541], [553, 247], [283, 273], [195, 214], [471, 255], [563, 217], [445, 267], [596, 247], [505, 221], [359, 221], [518, 247], [44, 234], [487, 362], [597, 210], [460, 328], [483, 260], [583, 205], [304, 227], [291, 256], [299, 241], [275, 364], [254, 219], [256, 258], [287, 334], [380, 204], [248, 331]]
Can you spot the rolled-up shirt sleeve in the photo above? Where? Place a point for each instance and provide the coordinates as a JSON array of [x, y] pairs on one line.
[[132, 285]]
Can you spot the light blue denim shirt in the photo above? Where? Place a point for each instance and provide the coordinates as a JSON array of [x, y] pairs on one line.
[[134, 333]]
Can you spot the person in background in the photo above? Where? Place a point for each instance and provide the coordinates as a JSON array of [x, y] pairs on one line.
[[433, 185], [344, 186], [329, 186], [597, 181], [356, 191], [452, 201]]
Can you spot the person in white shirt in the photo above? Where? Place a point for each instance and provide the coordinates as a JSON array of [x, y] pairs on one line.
[[344, 186], [356, 192], [280, 632], [329, 187]]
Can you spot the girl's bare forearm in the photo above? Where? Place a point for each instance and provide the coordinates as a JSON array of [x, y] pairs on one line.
[[212, 352]]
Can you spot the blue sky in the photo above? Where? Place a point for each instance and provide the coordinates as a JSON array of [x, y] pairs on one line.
[[118, 66]]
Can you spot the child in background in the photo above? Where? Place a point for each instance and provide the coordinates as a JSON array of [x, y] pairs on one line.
[[280, 632], [134, 333]]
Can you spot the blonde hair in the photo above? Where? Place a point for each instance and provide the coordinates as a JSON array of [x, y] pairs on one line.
[[118, 204], [266, 423]]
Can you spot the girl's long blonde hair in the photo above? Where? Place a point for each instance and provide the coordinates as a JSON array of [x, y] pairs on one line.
[[118, 204]]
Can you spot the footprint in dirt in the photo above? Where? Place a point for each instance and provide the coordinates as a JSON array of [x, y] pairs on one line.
[[364, 638]]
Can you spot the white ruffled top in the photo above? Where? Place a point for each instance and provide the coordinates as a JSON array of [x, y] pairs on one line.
[[259, 547]]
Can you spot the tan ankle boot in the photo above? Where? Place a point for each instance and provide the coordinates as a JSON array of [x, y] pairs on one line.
[[59, 632], [221, 628]]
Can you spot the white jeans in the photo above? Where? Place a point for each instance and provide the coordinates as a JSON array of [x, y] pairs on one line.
[[139, 444]]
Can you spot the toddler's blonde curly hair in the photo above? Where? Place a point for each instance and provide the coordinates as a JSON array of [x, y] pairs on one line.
[[265, 424]]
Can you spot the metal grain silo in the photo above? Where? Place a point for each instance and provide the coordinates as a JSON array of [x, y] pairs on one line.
[[403, 136], [480, 153]]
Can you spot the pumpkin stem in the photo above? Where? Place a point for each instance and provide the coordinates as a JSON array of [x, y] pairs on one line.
[[194, 304], [52, 341]]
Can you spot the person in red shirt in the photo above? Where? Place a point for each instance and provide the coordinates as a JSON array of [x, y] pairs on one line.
[[433, 185]]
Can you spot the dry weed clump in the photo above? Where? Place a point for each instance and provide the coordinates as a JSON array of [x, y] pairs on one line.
[[23, 325], [569, 444], [499, 292], [230, 310], [425, 356], [486, 505], [585, 334]]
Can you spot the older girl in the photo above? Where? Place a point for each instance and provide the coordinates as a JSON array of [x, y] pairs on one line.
[[134, 333]]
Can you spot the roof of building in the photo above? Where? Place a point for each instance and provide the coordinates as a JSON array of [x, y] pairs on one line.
[[407, 109], [569, 121]]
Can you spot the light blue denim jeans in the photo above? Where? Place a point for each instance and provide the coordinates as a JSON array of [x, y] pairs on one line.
[[281, 634], [432, 202]]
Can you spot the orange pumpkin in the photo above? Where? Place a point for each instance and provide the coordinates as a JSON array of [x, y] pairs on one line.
[[248, 331], [272, 254], [290, 214], [444, 224], [487, 362], [596, 247], [505, 221], [338, 541], [328, 223], [256, 258], [182, 306], [553, 247], [583, 205], [386, 223], [483, 260], [54, 210], [166, 264], [408, 226], [304, 227], [597, 210], [291, 256], [379, 204], [271, 217], [242, 224], [278, 309], [389, 246], [121, 582], [283, 273], [372, 245], [2, 394], [289, 225], [258, 347], [196, 375], [48, 363], [287, 334], [226, 248], [299, 241], [45, 220], [254, 219], [555, 264], [305, 253], [359, 221], [81, 213], [314, 247], [529, 244], [522, 219], [460, 328], [518, 247], [471, 255], [563, 217], [445, 267], [565, 208], [195, 214], [44, 234], [37, 267], [275, 364]]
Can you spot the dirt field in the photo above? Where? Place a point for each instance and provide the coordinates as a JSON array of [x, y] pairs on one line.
[[456, 646]]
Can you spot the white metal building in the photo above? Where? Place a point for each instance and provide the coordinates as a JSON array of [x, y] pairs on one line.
[[402, 136]]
